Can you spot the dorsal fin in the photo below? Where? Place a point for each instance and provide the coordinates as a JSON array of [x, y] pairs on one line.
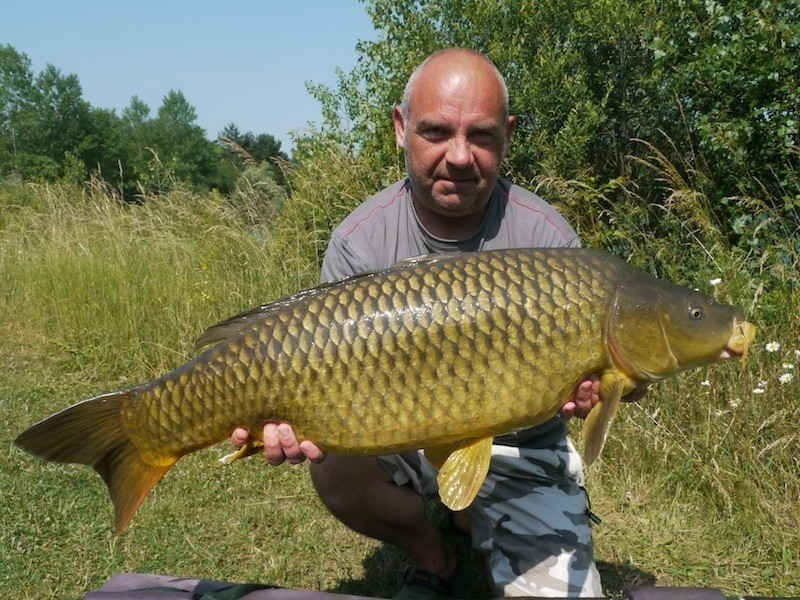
[[237, 324]]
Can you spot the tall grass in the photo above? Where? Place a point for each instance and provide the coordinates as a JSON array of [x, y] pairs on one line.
[[698, 484]]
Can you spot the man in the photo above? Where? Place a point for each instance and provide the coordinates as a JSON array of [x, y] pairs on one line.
[[531, 517]]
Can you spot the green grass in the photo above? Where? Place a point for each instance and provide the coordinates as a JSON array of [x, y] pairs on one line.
[[698, 484]]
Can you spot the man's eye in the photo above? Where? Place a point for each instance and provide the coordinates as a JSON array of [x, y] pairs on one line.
[[434, 134], [482, 137]]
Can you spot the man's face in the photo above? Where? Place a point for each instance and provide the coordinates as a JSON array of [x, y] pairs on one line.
[[455, 137]]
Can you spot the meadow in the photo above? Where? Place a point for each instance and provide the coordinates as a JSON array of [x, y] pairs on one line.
[[698, 484]]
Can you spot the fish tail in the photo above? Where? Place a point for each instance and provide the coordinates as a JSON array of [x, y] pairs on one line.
[[92, 433]]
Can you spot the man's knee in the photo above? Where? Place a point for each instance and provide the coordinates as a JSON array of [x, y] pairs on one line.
[[341, 480]]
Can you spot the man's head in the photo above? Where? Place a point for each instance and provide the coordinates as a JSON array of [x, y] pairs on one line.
[[454, 127]]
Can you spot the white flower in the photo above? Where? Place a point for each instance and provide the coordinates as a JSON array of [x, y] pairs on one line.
[[797, 353], [715, 282], [758, 390], [787, 366], [786, 378], [773, 346], [706, 383], [734, 403]]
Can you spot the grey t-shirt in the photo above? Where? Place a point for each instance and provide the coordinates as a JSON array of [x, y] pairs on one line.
[[385, 229]]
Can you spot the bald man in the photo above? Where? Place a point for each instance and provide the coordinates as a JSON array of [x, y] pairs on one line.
[[530, 518]]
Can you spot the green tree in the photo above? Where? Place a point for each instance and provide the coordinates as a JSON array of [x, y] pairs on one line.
[[260, 149], [63, 121], [45, 123], [16, 111], [712, 86], [735, 69], [179, 143]]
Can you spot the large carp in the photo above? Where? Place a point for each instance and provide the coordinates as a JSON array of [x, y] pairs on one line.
[[442, 352]]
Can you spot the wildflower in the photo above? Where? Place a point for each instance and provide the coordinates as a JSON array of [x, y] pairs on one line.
[[715, 282], [773, 346], [758, 390], [734, 403], [787, 366], [706, 383], [797, 353], [785, 378]]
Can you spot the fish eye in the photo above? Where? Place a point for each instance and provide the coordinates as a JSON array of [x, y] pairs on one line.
[[695, 312]]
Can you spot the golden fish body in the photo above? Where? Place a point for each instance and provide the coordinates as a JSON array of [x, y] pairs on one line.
[[441, 352]]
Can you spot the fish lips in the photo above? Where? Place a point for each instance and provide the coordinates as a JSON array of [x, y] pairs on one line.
[[744, 333]]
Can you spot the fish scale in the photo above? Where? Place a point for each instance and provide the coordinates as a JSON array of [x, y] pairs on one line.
[[442, 352]]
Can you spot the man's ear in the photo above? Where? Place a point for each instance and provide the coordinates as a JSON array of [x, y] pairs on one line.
[[399, 127], [511, 124]]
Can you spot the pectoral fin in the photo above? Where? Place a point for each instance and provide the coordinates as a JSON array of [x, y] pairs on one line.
[[462, 474], [595, 429]]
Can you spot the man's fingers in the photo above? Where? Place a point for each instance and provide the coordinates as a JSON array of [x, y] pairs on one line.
[[587, 395], [312, 452], [239, 437], [273, 449], [583, 398]]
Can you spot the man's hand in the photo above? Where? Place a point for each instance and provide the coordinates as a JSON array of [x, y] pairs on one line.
[[582, 400], [587, 394], [280, 444]]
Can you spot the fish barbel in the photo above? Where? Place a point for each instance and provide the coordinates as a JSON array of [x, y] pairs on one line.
[[441, 352]]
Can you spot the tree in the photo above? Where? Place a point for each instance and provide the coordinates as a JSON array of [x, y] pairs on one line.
[[44, 120], [709, 84], [735, 69], [16, 112], [180, 144], [63, 121], [261, 148]]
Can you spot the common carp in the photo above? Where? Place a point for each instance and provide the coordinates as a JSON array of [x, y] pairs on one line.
[[441, 352]]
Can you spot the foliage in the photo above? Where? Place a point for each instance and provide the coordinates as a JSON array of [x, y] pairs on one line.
[[48, 132], [255, 149], [735, 67], [713, 86]]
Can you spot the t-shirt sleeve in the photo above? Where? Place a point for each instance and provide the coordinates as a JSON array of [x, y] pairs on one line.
[[341, 260]]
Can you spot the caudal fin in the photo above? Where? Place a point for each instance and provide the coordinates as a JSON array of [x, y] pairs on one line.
[[92, 433]]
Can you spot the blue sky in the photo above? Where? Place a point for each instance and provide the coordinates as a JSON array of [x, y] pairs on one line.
[[241, 61]]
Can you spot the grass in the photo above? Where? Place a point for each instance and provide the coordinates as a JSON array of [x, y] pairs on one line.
[[698, 484]]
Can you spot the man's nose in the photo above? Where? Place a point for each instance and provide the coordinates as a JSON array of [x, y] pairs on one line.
[[459, 152]]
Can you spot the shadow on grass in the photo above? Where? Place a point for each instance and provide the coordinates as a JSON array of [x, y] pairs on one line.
[[617, 577], [385, 566], [384, 569]]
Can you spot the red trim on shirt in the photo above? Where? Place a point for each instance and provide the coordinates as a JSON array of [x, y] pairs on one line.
[[547, 217], [355, 226]]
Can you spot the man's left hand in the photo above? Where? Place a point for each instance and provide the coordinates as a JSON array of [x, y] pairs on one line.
[[587, 394], [582, 400]]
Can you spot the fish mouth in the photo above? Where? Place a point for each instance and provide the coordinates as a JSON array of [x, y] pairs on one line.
[[744, 333]]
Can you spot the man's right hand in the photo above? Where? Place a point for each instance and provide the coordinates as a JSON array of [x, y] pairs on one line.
[[280, 444]]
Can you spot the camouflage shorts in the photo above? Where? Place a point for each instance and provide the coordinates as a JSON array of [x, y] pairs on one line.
[[529, 519]]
